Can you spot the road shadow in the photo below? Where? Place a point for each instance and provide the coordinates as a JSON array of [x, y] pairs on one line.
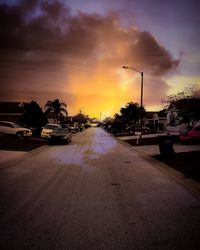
[[186, 162], [15, 143]]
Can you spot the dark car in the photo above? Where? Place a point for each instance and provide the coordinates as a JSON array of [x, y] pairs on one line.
[[60, 135]]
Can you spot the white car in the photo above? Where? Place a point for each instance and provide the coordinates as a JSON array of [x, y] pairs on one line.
[[48, 129], [13, 128]]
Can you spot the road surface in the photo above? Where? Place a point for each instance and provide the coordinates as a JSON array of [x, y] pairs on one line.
[[94, 193]]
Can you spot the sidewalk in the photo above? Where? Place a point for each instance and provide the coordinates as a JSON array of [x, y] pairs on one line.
[[129, 137], [151, 150]]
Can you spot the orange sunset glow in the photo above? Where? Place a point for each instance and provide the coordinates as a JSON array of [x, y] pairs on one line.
[[101, 91], [59, 49]]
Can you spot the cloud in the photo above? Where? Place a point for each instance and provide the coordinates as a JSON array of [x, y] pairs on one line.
[[49, 26], [155, 90], [44, 43], [152, 56]]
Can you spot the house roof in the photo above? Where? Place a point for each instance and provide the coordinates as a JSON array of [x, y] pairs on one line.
[[149, 114], [12, 107]]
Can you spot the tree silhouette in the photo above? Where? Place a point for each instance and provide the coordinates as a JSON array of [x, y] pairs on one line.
[[187, 103], [131, 113], [33, 117], [57, 109], [80, 118]]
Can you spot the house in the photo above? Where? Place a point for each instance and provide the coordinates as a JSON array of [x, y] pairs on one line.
[[155, 120], [11, 111]]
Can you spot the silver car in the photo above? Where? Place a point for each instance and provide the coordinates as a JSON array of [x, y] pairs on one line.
[[60, 135], [13, 128]]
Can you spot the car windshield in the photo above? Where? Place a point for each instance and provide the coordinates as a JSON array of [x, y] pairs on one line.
[[15, 125], [51, 126], [60, 131]]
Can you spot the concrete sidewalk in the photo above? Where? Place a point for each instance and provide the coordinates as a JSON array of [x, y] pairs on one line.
[[129, 137], [151, 150]]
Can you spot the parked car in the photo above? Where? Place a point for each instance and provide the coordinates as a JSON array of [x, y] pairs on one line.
[[137, 128], [48, 129], [80, 127], [60, 135], [13, 128], [192, 135], [74, 128]]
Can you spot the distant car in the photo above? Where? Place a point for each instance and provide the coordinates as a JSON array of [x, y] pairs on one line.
[[192, 135], [13, 128], [74, 128], [60, 135], [137, 128], [80, 127], [48, 129]]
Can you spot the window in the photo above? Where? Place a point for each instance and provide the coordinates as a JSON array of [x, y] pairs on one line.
[[5, 124]]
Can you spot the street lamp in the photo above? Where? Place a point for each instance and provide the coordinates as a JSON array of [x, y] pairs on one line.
[[141, 98]]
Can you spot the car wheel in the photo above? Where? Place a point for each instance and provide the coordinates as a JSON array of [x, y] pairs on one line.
[[67, 141], [19, 134]]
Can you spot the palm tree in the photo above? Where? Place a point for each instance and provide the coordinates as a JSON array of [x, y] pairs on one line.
[[57, 108]]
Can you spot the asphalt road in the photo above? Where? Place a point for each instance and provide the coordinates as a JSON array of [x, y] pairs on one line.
[[94, 193]]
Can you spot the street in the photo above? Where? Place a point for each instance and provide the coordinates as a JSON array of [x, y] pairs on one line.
[[95, 193]]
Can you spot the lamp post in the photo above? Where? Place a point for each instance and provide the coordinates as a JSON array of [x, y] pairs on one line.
[[141, 97]]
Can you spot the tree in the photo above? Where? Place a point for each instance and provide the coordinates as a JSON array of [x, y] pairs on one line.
[[132, 112], [187, 103], [80, 118], [57, 109], [33, 117]]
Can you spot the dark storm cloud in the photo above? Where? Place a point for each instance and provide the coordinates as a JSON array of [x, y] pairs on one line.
[[22, 28], [43, 26], [154, 57]]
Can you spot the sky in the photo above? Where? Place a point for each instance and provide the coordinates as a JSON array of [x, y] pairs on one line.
[[74, 50]]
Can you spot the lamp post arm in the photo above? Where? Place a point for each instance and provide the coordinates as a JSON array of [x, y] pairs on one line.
[[127, 67]]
